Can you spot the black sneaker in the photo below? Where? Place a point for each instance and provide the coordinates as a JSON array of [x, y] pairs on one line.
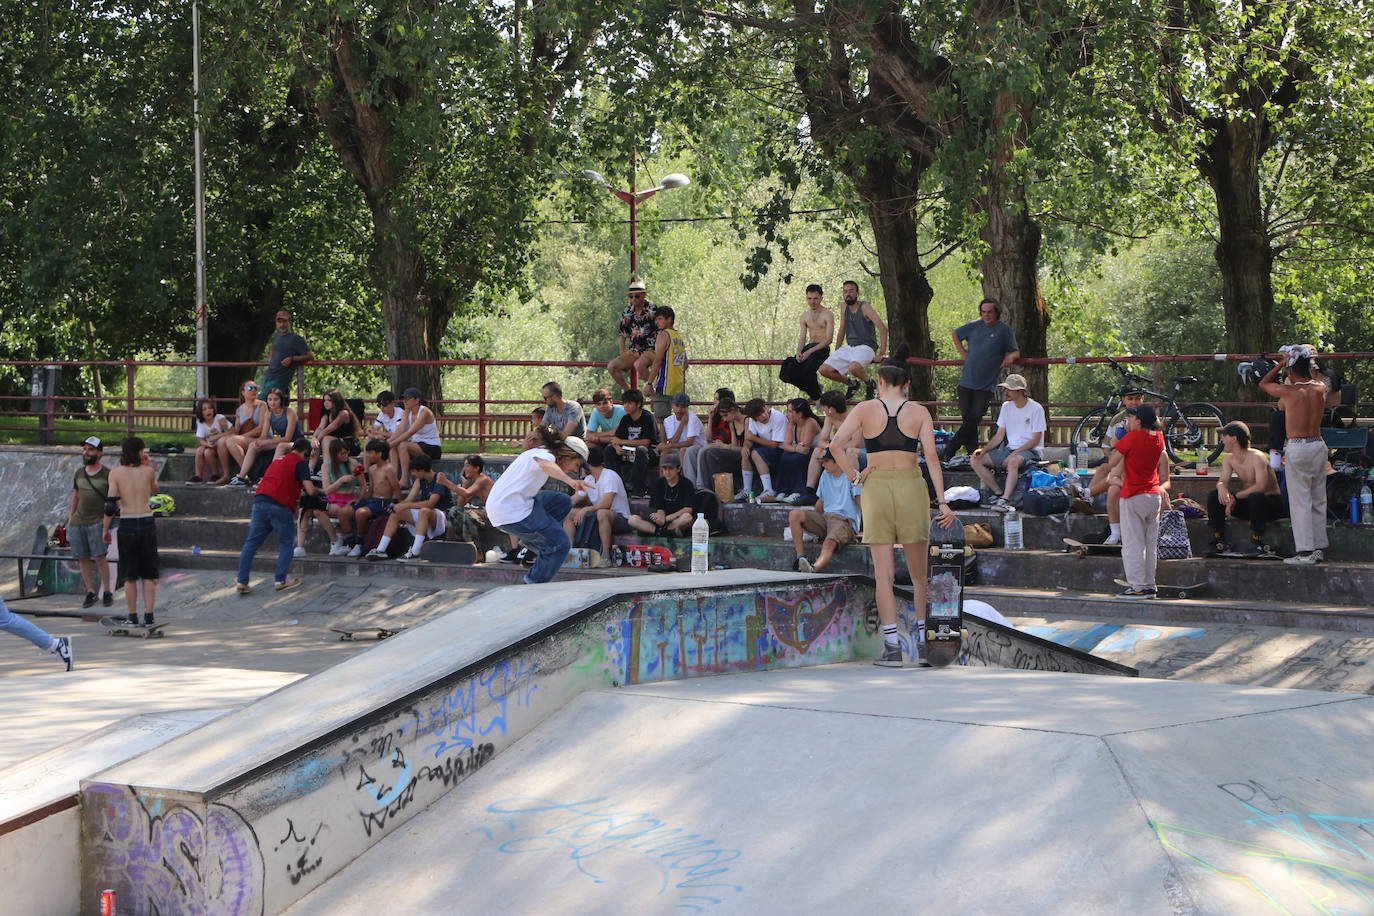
[[1137, 593], [851, 387], [63, 650], [107, 599], [90, 600], [526, 557], [870, 390], [512, 555], [891, 657]]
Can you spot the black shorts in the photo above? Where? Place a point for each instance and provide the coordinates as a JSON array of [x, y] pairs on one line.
[[372, 504], [434, 451], [137, 549]]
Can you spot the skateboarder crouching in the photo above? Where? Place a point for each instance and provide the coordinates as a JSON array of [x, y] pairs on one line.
[[274, 509]]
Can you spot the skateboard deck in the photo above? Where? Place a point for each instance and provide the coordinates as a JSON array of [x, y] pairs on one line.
[[944, 627], [464, 552], [33, 569], [655, 557], [116, 627], [358, 634], [1237, 555], [1171, 591], [582, 558], [1083, 549]]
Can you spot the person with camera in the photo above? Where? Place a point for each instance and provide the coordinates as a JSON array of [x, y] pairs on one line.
[[1303, 397], [274, 509]]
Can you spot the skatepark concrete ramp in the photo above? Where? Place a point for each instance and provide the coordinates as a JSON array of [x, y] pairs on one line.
[[252, 811]]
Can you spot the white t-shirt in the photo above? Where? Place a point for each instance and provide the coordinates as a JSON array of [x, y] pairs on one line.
[[389, 423], [608, 482], [693, 435], [218, 425], [512, 496], [774, 428], [1021, 423]]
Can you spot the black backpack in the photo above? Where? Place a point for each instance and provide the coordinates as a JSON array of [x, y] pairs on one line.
[[1046, 501], [705, 502]]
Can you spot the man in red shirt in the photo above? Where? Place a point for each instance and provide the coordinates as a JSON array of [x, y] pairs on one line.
[[274, 509], [1145, 474]]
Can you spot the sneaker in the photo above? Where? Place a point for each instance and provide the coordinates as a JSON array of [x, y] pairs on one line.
[[891, 657], [90, 600], [243, 588], [376, 554], [804, 565], [1220, 549], [850, 387], [870, 390], [338, 550], [195, 480], [107, 599], [793, 499], [768, 496], [1137, 593], [63, 650], [999, 504], [355, 551], [289, 583], [527, 556], [796, 564], [1112, 538], [1318, 556], [1266, 552], [298, 552], [603, 563], [744, 496], [1304, 559], [237, 481], [409, 556]]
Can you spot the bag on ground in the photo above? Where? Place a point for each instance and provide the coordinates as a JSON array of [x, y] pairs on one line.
[[1046, 501]]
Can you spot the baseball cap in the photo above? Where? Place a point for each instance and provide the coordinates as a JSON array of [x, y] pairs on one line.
[[1014, 382], [1146, 414], [670, 461], [410, 393], [682, 398], [94, 443], [577, 445]]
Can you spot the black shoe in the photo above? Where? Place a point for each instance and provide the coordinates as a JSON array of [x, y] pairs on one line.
[[107, 600], [512, 555], [870, 390], [796, 564], [90, 600], [850, 387]]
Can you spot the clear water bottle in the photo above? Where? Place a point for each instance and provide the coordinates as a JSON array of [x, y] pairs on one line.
[[1013, 531], [1079, 459], [701, 542], [1366, 506]]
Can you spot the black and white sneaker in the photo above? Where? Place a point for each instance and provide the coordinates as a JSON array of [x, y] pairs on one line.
[[238, 482], [63, 650], [90, 600]]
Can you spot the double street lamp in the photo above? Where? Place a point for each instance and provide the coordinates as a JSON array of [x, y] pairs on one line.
[[633, 197]]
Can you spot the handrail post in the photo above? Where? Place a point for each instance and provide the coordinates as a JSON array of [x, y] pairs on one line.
[[481, 405], [49, 422], [129, 370]]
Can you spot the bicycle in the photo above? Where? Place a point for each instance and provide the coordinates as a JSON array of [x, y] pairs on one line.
[[1184, 427]]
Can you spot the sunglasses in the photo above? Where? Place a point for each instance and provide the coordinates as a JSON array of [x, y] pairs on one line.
[[250, 387]]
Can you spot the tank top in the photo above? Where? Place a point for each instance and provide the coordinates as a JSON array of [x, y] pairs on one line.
[[672, 375], [240, 417], [427, 434], [892, 439], [859, 331], [277, 424]]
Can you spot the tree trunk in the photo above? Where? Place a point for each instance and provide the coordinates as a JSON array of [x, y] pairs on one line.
[[1010, 271], [238, 331], [1245, 257], [415, 315]]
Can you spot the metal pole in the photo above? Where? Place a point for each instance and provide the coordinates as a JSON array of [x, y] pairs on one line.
[[634, 217], [481, 405], [202, 384]]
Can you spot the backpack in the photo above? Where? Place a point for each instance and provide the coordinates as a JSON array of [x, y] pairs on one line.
[[1046, 501], [1173, 537], [707, 503], [400, 541]]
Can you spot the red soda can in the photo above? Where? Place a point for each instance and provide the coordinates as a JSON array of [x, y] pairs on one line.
[[107, 903]]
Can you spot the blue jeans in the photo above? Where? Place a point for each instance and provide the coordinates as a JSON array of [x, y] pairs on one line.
[[11, 622], [542, 531], [268, 516]]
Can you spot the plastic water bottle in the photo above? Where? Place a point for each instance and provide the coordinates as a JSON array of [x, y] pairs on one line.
[[701, 542], [1366, 506], [1013, 529], [1079, 459]]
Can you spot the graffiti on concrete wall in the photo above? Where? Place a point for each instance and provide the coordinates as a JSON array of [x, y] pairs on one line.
[[166, 858]]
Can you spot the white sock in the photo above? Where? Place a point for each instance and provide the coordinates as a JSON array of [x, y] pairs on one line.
[[767, 481], [1116, 528], [890, 634], [384, 543], [338, 538], [419, 542], [748, 480], [52, 646]]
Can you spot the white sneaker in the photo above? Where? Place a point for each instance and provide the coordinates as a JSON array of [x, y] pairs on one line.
[[408, 556], [298, 552], [357, 551], [768, 496], [1304, 559], [338, 550], [1113, 538], [804, 565], [377, 554]]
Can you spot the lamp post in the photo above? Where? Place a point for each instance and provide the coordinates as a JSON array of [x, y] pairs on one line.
[[202, 386], [633, 197]]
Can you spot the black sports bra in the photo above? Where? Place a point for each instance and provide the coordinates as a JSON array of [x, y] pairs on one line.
[[892, 439]]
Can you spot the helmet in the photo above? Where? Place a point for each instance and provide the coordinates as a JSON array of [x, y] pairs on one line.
[[162, 505], [1128, 390]]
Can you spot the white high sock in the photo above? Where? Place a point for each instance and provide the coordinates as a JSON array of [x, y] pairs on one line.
[[384, 543], [767, 481], [890, 634], [419, 542], [1116, 528], [748, 480]]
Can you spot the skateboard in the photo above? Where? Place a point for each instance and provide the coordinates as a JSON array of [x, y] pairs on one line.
[[464, 552], [1171, 592], [378, 633], [33, 578], [1083, 549], [582, 558], [654, 557], [945, 619], [116, 627], [1237, 555]]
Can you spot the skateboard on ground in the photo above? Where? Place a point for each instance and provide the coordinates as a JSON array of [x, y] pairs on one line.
[[1171, 591], [654, 557], [1237, 555], [358, 634], [582, 558], [944, 629], [464, 552], [1083, 549], [115, 626]]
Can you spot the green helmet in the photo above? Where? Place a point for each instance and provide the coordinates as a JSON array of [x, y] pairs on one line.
[[162, 504]]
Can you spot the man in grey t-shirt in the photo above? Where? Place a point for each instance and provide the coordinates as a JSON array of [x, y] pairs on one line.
[[987, 346], [287, 352], [564, 416]]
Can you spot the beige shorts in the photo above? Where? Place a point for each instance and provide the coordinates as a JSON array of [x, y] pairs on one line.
[[832, 527], [896, 507]]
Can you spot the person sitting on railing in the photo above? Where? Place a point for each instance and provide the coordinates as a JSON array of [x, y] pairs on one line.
[[603, 419], [417, 434], [799, 442], [287, 353], [864, 337], [1106, 477], [388, 416], [724, 452], [564, 416], [637, 334], [834, 518], [1020, 430], [277, 434], [336, 422], [671, 507], [248, 420], [379, 490], [636, 439], [813, 345], [665, 374], [210, 428], [340, 491], [683, 436], [763, 438]]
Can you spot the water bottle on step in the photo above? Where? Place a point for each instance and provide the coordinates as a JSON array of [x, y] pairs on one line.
[[701, 542]]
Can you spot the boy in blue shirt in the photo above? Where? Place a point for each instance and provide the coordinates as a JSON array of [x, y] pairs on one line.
[[835, 516]]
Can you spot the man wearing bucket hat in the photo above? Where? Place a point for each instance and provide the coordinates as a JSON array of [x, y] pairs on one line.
[[1020, 430], [637, 332]]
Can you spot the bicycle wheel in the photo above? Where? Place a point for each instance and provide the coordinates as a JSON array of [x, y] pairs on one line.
[[1194, 432], [1092, 429]]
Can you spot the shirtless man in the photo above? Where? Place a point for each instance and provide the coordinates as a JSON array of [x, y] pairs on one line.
[[1257, 497], [1303, 398], [379, 488], [131, 486], [813, 345], [471, 496]]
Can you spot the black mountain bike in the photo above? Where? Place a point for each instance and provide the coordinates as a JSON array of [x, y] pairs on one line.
[[1185, 428]]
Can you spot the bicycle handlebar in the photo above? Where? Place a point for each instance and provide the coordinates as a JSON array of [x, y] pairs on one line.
[[1127, 375]]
